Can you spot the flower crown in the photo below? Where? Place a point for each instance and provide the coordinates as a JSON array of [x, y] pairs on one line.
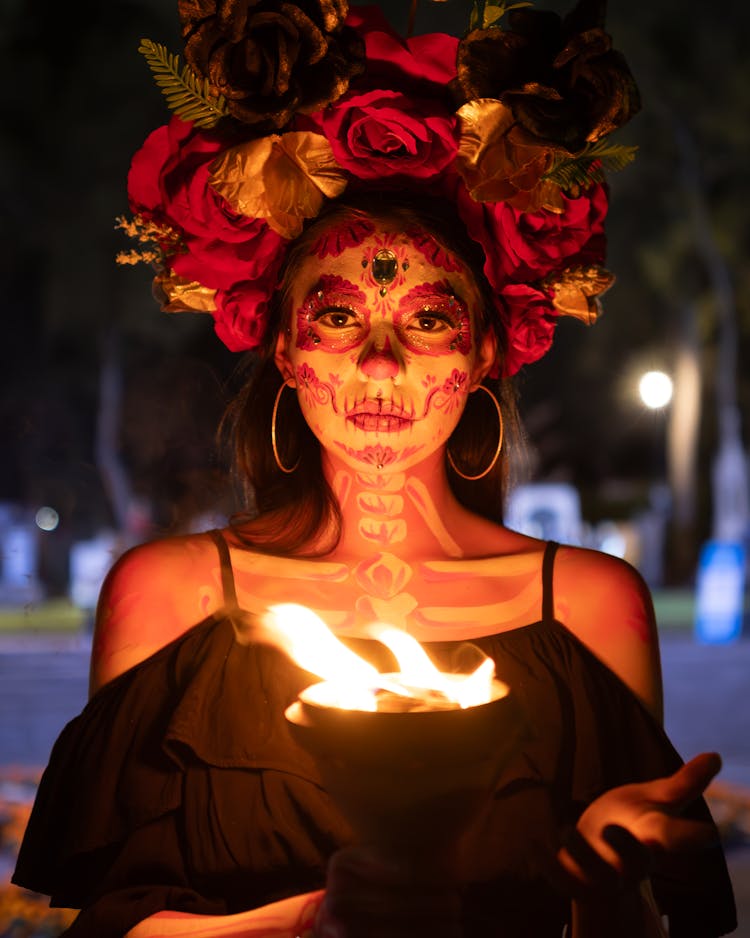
[[282, 106]]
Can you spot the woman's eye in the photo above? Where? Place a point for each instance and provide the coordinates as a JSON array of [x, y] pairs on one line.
[[338, 319], [431, 323]]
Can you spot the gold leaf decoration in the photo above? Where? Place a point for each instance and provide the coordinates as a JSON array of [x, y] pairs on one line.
[[576, 292], [486, 13], [499, 162], [187, 95], [281, 178], [177, 295]]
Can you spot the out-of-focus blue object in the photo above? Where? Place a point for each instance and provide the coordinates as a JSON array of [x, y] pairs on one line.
[[720, 592], [547, 510]]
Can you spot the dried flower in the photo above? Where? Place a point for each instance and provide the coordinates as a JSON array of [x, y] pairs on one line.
[[271, 59], [562, 80]]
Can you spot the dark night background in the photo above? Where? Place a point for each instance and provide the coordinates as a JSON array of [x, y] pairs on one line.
[[79, 331]]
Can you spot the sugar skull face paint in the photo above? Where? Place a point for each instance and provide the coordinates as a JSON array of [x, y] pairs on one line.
[[330, 315], [382, 380]]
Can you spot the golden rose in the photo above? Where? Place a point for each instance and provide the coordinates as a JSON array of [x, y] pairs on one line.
[[499, 162]]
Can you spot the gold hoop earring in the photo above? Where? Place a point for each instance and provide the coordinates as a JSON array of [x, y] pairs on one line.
[[501, 431], [287, 384]]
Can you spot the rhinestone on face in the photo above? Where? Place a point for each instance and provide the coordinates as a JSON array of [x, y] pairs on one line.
[[384, 267]]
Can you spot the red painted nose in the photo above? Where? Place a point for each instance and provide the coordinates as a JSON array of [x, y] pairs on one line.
[[380, 363]]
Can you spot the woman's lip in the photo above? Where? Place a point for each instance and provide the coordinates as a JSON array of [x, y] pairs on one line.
[[378, 407], [383, 423]]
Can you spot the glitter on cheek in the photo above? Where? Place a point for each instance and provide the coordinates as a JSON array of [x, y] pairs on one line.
[[462, 342], [331, 293], [440, 302], [308, 337], [453, 339]]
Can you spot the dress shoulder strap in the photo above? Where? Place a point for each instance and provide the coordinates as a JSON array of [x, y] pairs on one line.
[[227, 574], [548, 569]]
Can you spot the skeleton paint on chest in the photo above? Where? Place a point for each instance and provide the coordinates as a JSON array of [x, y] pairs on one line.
[[466, 597]]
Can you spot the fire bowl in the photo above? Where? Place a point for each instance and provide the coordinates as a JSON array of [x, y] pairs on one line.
[[412, 782]]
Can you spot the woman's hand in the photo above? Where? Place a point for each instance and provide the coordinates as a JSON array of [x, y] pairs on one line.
[[370, 896], [620, 834]]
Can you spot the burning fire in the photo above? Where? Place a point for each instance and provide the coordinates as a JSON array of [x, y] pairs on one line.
[[351, 683]]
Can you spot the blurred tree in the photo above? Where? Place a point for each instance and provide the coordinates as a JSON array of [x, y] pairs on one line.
[[78, 100], [664, 310]]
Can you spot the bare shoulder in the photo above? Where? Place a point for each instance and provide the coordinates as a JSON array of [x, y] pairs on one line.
[[605, 602], [153, 594]]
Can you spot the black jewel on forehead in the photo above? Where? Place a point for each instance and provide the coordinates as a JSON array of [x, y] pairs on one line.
[[384, 269]]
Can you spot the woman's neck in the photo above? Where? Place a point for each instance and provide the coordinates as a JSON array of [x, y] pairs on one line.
[[412, 514]]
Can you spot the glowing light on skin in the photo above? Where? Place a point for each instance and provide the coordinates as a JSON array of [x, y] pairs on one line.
[[420, 496], [399, 368]]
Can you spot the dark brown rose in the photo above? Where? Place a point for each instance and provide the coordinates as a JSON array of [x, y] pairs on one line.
[[271, 59], [562, 80]]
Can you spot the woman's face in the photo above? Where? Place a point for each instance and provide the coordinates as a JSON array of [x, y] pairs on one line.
[[382, 344]]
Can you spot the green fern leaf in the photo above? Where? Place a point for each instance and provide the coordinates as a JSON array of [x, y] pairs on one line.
[[590, 165], [187, 95]]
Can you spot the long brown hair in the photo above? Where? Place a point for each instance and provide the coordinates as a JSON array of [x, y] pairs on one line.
[[289, 512]]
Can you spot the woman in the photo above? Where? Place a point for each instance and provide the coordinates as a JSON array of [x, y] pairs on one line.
[[371, 436]]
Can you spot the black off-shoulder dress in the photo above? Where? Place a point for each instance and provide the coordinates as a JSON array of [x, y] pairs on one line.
[[179, 787]]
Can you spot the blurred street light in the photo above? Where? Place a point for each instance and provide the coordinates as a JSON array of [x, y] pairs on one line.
[[655, 389]]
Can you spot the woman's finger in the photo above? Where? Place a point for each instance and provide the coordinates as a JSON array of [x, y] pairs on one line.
[[689, 782], [662, 833]]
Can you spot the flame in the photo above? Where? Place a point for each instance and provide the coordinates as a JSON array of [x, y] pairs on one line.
[[351, 682]]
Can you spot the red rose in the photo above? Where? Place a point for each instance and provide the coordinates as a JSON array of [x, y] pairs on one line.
[[419, 66], [219, 263], [529, 320], [165, 166], [241, 315], [522, 246], [169, 182], [384, 133]]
